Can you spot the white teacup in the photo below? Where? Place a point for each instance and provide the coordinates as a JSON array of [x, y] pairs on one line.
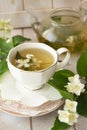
[[33, 80]]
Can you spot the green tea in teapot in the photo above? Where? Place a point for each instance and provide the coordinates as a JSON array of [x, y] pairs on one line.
[[64, 28]]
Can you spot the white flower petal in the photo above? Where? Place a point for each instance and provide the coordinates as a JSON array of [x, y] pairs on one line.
[[29, 56], [26, 65], [27, 60], [70, 105], [19, 61], [75, 86], [19, 65], [63, 116], [73, 118], [70, 39], [75, 78]]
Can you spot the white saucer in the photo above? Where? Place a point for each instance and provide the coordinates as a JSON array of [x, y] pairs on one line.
[[17, 100]]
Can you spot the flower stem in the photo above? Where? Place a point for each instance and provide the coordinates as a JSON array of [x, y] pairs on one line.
[[75, 127]]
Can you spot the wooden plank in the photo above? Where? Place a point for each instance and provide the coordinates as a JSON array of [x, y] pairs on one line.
[[16, 32], [44, 122], [21, 19], [37, 4], [13, 9], [11, 5], [9, 122], [18, 19], [28, 32], [66, 3]]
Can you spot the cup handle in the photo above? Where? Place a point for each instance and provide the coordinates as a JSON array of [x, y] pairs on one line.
[[66, 59]]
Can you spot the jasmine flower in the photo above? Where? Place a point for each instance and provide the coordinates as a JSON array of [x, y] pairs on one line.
[[70, 105], [75, 86]]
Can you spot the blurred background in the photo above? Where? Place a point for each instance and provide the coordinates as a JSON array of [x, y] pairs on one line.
[[19, 10]]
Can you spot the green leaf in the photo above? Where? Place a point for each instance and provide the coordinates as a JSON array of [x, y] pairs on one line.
[[66, 94], [19, 39], [59, 125], [61, 90], [59, 80], [82, 104], [3, 66], [5, 46], [61, 77], [82, 64], [3, 55]]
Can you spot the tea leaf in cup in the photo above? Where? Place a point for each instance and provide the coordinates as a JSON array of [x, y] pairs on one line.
[[18, 56]]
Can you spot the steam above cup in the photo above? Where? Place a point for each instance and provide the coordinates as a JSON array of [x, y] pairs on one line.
[[35, 79]]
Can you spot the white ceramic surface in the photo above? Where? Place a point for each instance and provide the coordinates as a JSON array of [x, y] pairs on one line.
[[22, 102]]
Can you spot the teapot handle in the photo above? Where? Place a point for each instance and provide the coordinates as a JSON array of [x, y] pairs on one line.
[[66, 59]]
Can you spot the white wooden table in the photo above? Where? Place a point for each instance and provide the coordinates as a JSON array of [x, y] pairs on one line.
[[10, 122]]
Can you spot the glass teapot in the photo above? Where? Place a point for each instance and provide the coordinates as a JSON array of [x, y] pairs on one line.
[[63, 27]]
